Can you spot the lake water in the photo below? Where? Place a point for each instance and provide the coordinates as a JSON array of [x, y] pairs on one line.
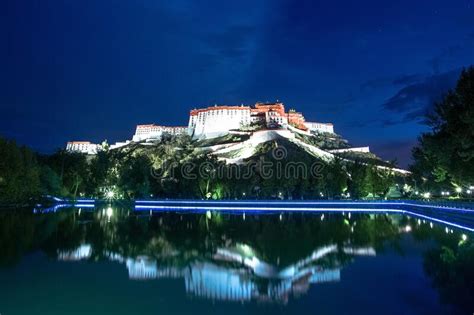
[[112, 260]]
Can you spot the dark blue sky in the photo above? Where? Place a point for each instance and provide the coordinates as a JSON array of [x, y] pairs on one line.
[[94, 69]]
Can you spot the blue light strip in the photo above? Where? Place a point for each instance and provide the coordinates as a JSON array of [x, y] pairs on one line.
[[85, 200], [86, 205], [390, 203], [243, 209], [438, 207]]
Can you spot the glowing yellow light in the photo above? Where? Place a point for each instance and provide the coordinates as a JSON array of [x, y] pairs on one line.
[[458, 189]]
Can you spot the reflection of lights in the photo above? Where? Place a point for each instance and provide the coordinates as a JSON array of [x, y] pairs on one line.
[[322, 216], [349, 215], [208, 214], [246, 249], [446, 230], [281, 217], [419, 221], [407, 228], [431, 224], [109, 212], [464, 237], [468, 191], [304, 209], [243, 216]]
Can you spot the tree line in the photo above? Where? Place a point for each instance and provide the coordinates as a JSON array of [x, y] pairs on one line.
[[444, 155], [157, 172]]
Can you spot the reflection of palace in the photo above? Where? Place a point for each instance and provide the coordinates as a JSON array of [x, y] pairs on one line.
[[82, 252], [236, 273]]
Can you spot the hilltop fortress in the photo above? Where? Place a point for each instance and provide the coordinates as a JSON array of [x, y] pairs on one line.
[[216, 121]]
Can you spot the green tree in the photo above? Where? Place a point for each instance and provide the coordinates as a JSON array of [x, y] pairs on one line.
[[19, 173], [358, 183], [445, 154]]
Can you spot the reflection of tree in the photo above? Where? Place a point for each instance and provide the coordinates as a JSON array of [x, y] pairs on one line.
[[276, 240], [180, 241], [451, 269], [22, 232], [16, 236]]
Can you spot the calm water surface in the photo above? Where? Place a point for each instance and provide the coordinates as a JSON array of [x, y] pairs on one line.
[[112, 260]]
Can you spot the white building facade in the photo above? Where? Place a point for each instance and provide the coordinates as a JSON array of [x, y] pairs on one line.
[[319, 127], [216, 121], [358, 149], [82, 147], [152, 131]]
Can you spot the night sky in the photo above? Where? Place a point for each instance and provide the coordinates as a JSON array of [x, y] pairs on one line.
[[93, 69]]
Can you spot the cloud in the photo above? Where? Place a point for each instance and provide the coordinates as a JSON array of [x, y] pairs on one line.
[[413, 101], [407, 79], [404, 79]]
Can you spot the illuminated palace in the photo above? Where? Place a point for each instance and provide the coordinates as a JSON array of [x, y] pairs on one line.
[[215, 121]]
